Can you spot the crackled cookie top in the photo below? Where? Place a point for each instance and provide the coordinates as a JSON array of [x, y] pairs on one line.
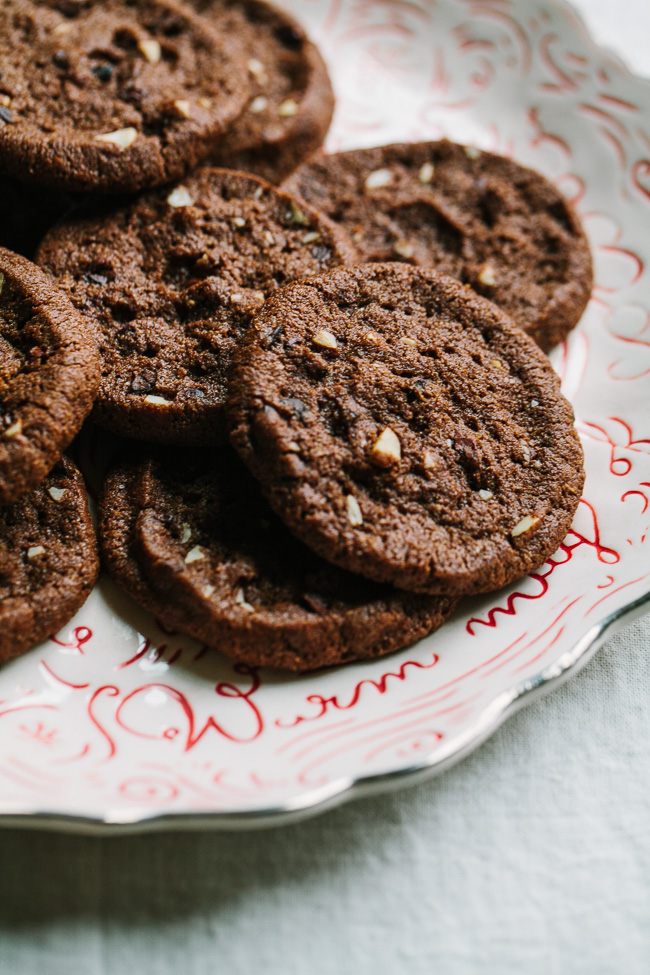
[[487, 221], [169, 284], [111, 96], [49, 375], [48, 559], [405, 429], [290, 105], [191, 538]]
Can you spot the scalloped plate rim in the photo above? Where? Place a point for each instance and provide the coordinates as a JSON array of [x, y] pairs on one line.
[[339, 791]]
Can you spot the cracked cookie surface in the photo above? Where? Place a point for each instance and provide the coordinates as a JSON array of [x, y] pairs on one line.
[[170, 283], [49, 375], [48, 560], [291, 102], [405, 429], [191, 538], [112, 96], [481, 218]]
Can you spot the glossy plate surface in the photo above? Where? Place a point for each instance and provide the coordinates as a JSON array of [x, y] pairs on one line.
[[117, 724]]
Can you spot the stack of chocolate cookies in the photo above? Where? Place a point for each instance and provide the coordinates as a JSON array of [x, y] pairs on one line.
[[326, 372]]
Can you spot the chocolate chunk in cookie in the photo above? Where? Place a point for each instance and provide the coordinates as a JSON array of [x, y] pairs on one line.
[[406, 429], [49, 375], [169, 284], [291, 102], [112, 96], [190, 537], [48, 560], [487, 221]]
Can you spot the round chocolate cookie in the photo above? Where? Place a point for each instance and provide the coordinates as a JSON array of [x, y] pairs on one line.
[[191, 538], [112, 96], [49, 375], [48, 560], [170, 283], [406, 429], [291, 101], [487, 221]]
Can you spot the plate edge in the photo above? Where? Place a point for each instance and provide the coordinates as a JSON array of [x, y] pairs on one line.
[[340, 791]]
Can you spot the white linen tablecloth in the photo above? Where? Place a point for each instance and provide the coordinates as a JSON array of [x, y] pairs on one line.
[[532, 856]]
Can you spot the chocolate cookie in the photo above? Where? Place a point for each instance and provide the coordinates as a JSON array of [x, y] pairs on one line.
[[48, 560], [487, 221], [191, 539], [170, 283], [406, 429], [112, 96], [291, 101], [49, 375]]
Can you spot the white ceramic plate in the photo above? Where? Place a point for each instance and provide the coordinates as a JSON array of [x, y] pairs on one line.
[[117, 724]]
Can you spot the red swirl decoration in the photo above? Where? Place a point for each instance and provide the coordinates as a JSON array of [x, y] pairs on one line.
[[641, 171], [149, 788]]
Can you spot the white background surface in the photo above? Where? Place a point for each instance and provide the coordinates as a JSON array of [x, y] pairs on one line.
[[532, 857]]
